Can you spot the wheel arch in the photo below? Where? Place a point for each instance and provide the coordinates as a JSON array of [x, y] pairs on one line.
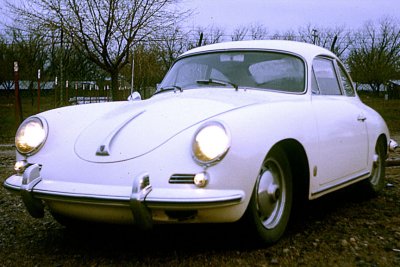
[[383, 138], [299, 167], [293, 157]]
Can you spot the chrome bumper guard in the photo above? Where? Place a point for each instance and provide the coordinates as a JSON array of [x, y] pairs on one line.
[[141, 214], [393, 145], [30, 178]]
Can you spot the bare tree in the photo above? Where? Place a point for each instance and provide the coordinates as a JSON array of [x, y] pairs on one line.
[[258, 31], [252, 32], [6, 63], [289, 35], [337, 39], [170, 43], [30, 52], [374, 59], [103, 30], [210, 35], [239, 33]]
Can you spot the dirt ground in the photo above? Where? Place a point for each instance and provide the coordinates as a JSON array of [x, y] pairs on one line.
[[341, 229]]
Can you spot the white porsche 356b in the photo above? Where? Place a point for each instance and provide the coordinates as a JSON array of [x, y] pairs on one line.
[[237, 129]]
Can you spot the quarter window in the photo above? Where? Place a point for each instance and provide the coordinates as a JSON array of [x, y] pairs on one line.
[[314, 84], [325, 75], [346, 83]]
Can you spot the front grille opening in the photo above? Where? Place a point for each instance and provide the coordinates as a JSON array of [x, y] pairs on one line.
[[181, 215], [182, 179]]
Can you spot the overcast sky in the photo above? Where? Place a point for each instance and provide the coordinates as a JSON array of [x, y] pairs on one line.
[[282, 15]]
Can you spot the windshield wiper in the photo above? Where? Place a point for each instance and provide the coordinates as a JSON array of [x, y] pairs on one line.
[[219, 82], [169, 88]]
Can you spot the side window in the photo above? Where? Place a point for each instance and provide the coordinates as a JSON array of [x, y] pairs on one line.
[[346, 83], [325, 75]]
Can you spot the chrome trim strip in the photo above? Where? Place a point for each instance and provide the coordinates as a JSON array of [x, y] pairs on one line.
[[13, 188], [150, 203], [185, 204], [82, 198], [341, 184]]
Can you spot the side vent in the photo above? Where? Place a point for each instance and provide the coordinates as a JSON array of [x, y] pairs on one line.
[[182, 179]]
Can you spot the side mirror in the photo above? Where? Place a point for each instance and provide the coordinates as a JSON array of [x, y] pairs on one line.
[[135, 96]]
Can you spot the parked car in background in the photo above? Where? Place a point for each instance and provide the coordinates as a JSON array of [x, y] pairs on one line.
[[236, 130]]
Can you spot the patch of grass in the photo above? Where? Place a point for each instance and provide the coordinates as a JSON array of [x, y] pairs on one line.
[[388, 109], [8, 124]]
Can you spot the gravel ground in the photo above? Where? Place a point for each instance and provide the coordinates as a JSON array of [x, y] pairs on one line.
[[341, 229]]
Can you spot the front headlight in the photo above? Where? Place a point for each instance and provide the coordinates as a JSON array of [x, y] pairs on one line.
[[31, 135], [211, 143]]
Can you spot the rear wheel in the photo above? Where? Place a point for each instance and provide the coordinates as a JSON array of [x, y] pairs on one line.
[[376, 181], [271, 202]]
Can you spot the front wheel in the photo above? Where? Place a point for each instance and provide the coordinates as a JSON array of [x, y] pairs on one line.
[[271, 202]]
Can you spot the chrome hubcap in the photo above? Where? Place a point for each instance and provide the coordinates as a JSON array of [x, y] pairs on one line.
[[271, 194]]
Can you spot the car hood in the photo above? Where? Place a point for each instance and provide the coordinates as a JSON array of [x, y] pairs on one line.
[[132, 129]]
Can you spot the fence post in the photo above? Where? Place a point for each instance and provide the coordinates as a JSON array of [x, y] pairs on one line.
[[18, 106], [76, 93], [55, 91], [90, 93], [66, 92], [38, 92]]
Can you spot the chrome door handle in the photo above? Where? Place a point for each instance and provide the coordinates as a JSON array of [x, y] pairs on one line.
[[361, 118]]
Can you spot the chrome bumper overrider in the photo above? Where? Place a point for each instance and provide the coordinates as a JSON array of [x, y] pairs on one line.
[[393, 145], [30, 178], [142, 200]]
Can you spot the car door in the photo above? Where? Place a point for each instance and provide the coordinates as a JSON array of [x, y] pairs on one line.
[[342, 131]]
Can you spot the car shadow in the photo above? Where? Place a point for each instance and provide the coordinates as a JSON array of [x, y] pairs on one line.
[[165, 239], [321, 209]]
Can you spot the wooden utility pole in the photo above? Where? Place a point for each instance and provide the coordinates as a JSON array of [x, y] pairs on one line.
[[200, 39], [62, 67], [18, 106], [315, 36]]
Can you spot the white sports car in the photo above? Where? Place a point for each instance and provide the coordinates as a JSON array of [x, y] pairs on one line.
[[237, 129]]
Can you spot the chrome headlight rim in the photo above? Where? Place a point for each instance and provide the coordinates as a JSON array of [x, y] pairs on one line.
[[223, 151], [34, 149]]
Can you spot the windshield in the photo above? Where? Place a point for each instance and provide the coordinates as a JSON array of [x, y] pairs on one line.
[[243, 69]]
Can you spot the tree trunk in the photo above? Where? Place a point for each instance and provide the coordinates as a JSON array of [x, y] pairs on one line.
[[114, 86], [378, 87]]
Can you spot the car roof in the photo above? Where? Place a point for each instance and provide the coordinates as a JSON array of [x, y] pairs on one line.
[[308, 51]]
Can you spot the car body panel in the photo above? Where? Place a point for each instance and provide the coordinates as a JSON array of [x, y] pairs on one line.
[[111, 161], [348, 149]]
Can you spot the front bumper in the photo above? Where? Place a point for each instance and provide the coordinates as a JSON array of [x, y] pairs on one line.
[[143, 201]]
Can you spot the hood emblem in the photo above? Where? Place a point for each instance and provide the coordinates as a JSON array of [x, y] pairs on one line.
[[104, 147]]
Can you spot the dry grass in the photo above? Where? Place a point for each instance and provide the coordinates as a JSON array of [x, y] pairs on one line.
[[389, 110]]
